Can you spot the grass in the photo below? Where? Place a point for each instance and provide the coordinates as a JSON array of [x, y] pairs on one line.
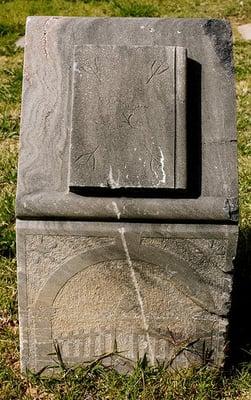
[[95, 381]]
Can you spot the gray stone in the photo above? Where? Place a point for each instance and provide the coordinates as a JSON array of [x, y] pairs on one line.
[[44, 173], [245, 31], [163, 290], [127, 204], [119, 92]]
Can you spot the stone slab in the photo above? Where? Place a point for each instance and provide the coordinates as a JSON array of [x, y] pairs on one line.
[[43, 180], [153, 289], [245, 31], [126, 104]]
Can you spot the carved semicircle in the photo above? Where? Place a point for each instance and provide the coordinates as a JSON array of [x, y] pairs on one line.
[[97, 288]]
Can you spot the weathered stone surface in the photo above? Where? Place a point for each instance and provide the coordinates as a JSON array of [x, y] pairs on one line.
[[126, 120], [126, 104], [152, 288], [44, 168]]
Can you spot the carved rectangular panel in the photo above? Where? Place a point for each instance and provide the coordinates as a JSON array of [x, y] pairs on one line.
[[157, 289], [128, 117]]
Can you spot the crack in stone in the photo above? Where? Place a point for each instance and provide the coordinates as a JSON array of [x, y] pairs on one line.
[[116, 209], [137, 290], [162, 160], [45, 37], [112, 183]]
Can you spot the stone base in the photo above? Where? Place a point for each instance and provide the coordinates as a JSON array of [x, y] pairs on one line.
[[91, 288]]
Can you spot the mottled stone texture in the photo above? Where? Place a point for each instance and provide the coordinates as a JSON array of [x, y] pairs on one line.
[[126, 104], [203, 155], [126, 124], [163, 290]]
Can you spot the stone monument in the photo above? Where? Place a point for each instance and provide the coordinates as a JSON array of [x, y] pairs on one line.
[[127, 190]]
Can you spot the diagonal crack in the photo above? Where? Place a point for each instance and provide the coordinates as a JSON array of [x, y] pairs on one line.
[[137, 290]]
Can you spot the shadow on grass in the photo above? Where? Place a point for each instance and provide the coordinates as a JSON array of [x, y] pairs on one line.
[[239, 334]]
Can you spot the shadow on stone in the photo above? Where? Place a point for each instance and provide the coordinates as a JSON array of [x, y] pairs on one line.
[[193, 122], [239, 335], [194, 127]]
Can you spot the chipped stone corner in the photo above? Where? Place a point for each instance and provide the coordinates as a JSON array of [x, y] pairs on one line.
[[231, 208], [220, 33]]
